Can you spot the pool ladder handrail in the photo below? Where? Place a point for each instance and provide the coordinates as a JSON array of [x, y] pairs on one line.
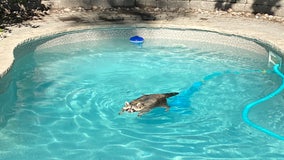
[[253, 104]]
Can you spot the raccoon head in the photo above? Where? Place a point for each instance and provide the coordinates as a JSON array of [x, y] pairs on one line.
[[138, 107], [126, 106]]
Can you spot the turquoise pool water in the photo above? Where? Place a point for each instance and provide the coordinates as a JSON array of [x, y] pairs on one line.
[[62, 102]]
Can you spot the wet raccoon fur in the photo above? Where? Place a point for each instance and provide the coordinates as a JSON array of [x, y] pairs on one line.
[[147, 102]]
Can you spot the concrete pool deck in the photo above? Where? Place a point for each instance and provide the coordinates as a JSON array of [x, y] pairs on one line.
[[270, 32]]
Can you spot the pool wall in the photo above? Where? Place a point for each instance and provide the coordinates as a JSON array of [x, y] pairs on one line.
[[194, 35], [271, 7], [150, 33], [8, 94]]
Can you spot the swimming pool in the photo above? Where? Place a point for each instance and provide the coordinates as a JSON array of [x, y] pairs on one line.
[[62, 97]]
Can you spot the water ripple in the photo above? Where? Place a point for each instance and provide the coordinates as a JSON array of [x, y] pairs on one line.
[[66, 106]]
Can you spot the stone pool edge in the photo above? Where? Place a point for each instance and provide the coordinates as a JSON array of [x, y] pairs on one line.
[[263, 31]]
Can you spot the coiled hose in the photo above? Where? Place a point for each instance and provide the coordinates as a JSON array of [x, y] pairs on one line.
[[253, 104]]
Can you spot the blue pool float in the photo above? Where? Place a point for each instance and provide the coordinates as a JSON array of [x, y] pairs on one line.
[[136, 40]]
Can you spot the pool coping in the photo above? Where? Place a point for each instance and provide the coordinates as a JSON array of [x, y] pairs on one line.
[[264, 31]]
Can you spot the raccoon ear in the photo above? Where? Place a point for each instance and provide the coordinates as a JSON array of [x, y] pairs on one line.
[[139, 105], [127, 103]]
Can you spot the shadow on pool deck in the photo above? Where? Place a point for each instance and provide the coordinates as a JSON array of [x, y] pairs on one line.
[[119, 15], [258, 6]]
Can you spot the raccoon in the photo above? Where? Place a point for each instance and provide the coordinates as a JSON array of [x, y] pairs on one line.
[[147, 102]]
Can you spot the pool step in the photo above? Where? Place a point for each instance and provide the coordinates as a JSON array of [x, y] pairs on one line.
[[274, 59]]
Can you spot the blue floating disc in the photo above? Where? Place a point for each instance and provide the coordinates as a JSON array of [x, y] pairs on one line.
[[136, 40]]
